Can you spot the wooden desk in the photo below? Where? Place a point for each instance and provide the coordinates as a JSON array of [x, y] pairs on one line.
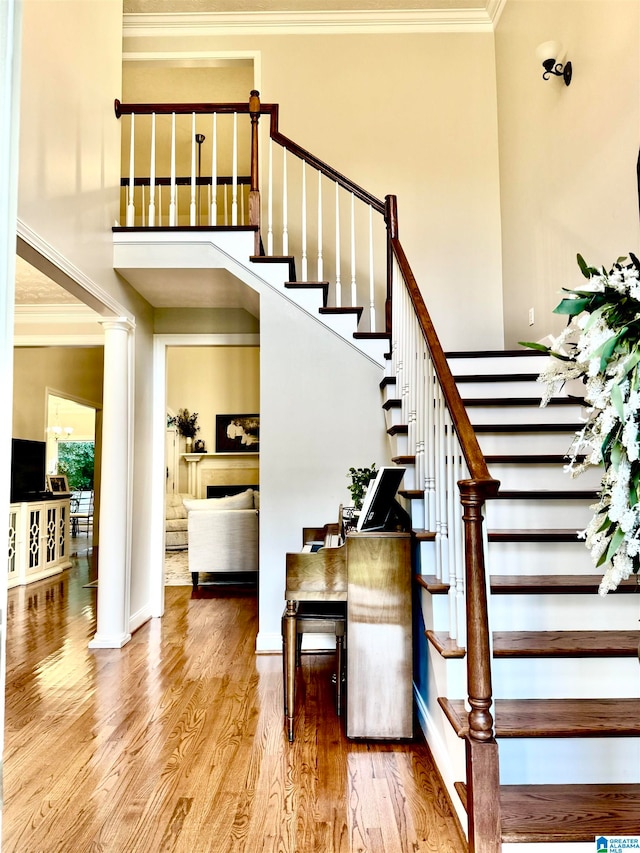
[[372, 572]]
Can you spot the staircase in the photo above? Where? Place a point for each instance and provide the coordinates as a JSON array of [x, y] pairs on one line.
[[566, 681], [527, 683]]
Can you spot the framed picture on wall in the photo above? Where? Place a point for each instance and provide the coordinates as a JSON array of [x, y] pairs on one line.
[[57, 484], [237, 433]]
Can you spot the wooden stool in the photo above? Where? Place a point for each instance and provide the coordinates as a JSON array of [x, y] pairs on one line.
[[310, 617]]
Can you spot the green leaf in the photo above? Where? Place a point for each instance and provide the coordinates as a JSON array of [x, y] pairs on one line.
[[585, 269], [572, 307], [616, 399], [614, 544], [533, 345]]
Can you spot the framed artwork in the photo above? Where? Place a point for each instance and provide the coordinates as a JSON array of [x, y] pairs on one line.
[[57, 483], [237, 433]]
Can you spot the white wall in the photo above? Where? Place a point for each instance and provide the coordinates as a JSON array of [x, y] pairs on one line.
[[567, 154], [69, 194], [320, 414]]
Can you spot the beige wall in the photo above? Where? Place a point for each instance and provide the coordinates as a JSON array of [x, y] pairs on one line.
[[412, 115], [72, 371], [567, 155], [216, 380]]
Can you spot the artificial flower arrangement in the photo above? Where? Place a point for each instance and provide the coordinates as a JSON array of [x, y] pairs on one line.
[[601, 347], [187, 423]]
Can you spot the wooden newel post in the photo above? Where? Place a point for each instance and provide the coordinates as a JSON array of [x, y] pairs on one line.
[[391, 220], [483, 777], [254, 191]]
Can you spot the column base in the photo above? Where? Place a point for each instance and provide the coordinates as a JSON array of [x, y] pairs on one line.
[[109, 642]]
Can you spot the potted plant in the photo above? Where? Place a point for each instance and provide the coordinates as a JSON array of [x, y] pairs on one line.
[[360, 479]]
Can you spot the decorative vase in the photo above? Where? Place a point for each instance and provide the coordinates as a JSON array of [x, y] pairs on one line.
[[189, 441]]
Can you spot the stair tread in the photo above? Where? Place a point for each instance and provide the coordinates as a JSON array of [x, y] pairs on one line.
[[533, 535], [548, 644], [332, 309], [498, 353], [474, 402], [277, 259], [565, 644], [444, 645], [536, 584], [529, 458], [310, 285], [496, 377], [538, 718], [566, 813], [555, 583], [532, 428]]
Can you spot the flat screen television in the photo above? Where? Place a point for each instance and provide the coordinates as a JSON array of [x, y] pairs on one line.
[[28, 469], [380, 508]]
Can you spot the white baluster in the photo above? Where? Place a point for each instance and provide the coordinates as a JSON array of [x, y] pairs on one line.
[[304, 222], [270, 203], [152, 174], [338, 280], [225, 187], [285, 212], [213, 210], [242, 195], [193, 209], [320, 261], [131, 210], [354, 297], [159, 205], [234, 177], [173, 218], [142, 206], [372, 294]]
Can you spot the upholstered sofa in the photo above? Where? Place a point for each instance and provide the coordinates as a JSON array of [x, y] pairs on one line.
[[175, 523], [223, 536]]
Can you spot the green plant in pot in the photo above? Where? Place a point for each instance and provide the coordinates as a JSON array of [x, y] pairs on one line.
[[360, 479]]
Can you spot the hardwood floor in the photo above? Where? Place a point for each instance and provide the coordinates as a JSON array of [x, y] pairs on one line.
[[176, 742]]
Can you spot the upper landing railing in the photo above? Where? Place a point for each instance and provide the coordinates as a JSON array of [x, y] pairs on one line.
[[198, 165], [201, 165]]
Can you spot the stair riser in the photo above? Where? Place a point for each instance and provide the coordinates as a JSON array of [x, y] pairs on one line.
[[435, 611], [545, 476], [513, 388], [564, 678], [525, 442], [569, 761], [565, 612], [393, 416], [498, 364], [525, 415], [511, 514], [534, 558]]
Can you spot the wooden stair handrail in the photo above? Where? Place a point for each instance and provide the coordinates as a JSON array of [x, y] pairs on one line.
[[478, 471], [483, 776]]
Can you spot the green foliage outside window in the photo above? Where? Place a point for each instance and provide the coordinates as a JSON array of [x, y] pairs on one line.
[[76, 460]]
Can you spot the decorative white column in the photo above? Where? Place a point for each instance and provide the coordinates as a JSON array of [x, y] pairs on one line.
[[193, 486], [114, 563]]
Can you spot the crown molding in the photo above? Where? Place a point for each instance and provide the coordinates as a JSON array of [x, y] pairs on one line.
[[211, 24], [57, 266], [55, 313]]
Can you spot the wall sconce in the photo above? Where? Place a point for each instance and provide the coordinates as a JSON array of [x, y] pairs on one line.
[[549, 53]]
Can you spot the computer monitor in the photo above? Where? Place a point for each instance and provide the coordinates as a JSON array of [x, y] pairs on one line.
[[379, 505]]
